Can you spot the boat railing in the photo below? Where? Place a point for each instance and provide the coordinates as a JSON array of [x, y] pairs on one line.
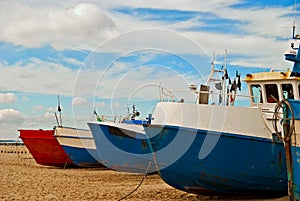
[[114, 118], [120, 119], [167, 95], [204, 97]]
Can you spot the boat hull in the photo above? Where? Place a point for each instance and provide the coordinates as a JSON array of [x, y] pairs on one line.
[[45, 149], [237, 164], [123, 149], [295, 148], [83, 157], [79, 145]]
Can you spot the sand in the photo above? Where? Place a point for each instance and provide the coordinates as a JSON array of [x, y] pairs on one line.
[[23, 179]]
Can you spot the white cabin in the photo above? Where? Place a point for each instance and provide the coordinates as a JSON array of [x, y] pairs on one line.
[[267, 88]]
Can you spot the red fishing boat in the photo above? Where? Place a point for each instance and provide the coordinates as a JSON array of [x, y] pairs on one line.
[[44, 148]]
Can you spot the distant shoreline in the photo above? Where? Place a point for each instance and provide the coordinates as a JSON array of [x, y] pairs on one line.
[[11, 142]]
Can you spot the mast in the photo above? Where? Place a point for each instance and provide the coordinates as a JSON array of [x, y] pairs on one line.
[[294, 55], [224, 85], [59, 110], [222, 82], [212, 71]]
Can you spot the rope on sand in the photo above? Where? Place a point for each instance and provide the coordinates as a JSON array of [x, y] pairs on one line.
[[141, 182], [136, 188]]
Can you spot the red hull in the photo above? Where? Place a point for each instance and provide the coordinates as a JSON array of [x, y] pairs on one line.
[[44, 148]]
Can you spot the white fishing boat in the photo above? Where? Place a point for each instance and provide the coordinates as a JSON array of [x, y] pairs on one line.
[[219, 147], [79, 145]]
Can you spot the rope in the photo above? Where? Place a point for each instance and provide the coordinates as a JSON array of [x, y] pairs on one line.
[[279, 106], [65, 165], [139, 185], [136, 188]]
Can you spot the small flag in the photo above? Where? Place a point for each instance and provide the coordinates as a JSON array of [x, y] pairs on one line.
[[239, 85], [233, 86], [226, 74], [95, 113]]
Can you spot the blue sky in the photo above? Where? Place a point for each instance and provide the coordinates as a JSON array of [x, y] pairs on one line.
[[108, 54]]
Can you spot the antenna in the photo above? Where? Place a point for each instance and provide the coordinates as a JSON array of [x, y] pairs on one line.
[[59, 110], [295, 9], [128, 112], [294, 23], [56, 118], [224, 79]]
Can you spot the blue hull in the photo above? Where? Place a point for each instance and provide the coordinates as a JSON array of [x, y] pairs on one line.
[[236, 164], [296, 167], [122, 152], [83, 157], [295, 151]]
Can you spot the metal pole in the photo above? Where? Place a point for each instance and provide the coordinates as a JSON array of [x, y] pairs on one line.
[[288, 153]]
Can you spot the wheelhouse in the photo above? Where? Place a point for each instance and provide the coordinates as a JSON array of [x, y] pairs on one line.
[[267, 88]]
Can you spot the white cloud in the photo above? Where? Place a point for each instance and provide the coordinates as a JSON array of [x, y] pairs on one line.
[[73, 61], [187, 5], [70, 24], [46, 78], [100, 104], [9, 129], [81, 26], [49, 115], [10, 116], [8, 98], [258, 51], [38, 107], [79, 101], [116, 105], [255, 38], [266, 21], [39, 77], [51, 109], [25, 98], [40, 121]]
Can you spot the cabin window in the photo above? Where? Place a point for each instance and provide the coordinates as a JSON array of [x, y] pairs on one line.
[[256, 93], [271, 93], [287, 90]]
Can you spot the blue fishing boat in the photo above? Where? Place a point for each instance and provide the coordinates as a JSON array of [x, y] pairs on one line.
[[79, 146], [294, 143], [122, 145], [213, 147], [288, 112]]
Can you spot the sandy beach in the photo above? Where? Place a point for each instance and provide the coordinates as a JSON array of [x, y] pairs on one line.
[[23, 179]]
